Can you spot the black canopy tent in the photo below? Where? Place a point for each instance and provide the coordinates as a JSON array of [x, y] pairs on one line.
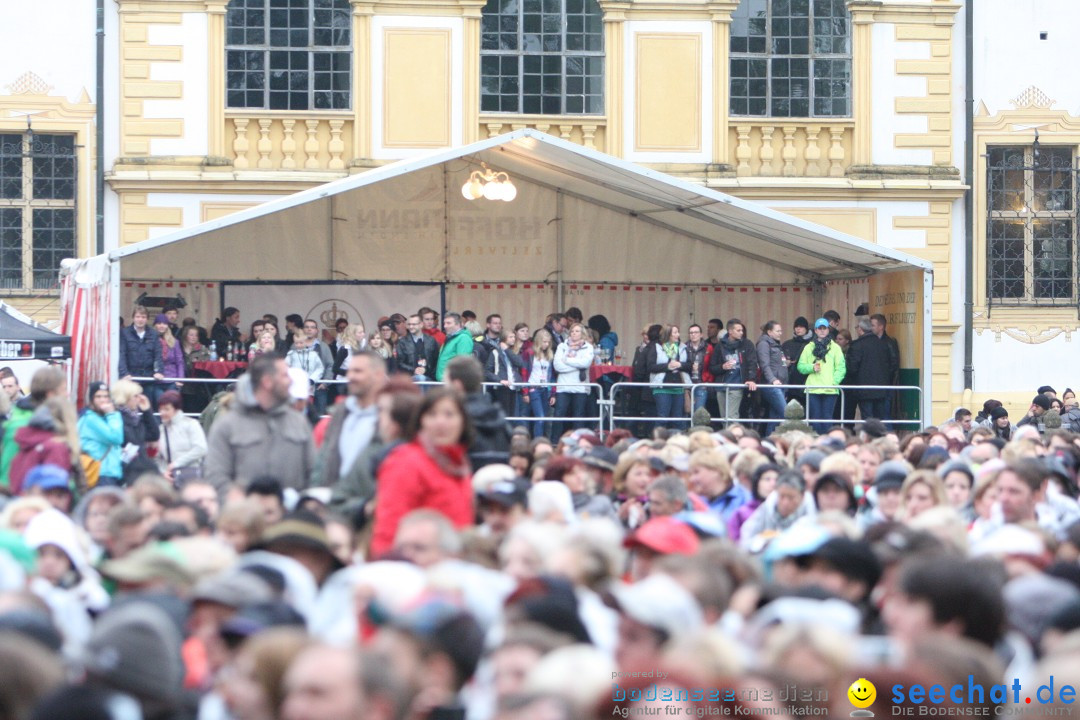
[[23, 339]]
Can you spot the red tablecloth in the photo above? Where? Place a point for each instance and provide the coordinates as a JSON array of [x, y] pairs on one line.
[[598, 371], [220, 369]]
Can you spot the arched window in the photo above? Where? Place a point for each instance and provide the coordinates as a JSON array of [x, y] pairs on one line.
[[791, 58], [288, 54], [542, 57]]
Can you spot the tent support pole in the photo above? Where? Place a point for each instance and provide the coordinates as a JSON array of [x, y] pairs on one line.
[[110, 323], [926, 377], [819, 298], [330, 238], [446, 224], [560, 299]]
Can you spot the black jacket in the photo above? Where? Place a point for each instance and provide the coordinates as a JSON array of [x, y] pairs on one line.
[[503, 365], [491, 441], [869, 363], [140, 358], [894, 358], [793, 351], [409, 353], [747, 360], [698, 356], [221, 335], [140, 428]]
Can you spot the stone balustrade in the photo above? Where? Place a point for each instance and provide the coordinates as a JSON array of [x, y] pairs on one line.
[[587, 130], [265, 140], [799, 148]]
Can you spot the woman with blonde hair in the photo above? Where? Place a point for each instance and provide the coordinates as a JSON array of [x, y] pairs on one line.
[[667, 357], [710, 478], [140, 428], [631, 480], [172, 356], [921, 491], [350, 343], [265, 343], [537, 361], [572, 361]]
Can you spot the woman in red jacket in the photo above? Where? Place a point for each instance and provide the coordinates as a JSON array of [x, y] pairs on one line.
[[430, 471]]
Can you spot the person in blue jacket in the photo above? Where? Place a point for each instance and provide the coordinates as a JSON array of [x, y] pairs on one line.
[[101, 434]]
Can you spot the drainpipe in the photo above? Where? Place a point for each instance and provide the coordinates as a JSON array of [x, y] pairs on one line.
[[969, 194], [99, 203]]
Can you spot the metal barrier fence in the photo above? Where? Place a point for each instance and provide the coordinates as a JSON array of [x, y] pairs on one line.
[[598, 420], [606, 416], [685, 420]]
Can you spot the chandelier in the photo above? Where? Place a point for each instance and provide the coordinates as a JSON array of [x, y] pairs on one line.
[[489, 184]]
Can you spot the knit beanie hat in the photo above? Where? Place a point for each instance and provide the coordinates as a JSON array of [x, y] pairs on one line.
[[93, 389], [136, 649], [999, 412], [802, 322]]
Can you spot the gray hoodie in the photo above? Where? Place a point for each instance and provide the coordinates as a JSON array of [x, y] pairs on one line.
[[248, 442]]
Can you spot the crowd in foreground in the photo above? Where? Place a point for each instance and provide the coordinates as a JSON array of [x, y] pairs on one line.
[[413, 556]]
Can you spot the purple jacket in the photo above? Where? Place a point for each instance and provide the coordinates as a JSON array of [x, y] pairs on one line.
[[735, 522], [173, 360]]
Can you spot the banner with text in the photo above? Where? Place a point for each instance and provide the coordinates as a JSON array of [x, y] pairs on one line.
[[899, 297]]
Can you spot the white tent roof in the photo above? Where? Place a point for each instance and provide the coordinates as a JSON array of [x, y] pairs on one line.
[[592, 216]]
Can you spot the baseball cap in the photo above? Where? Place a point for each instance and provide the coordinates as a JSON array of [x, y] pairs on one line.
[[47, 477], [489, 475], [802, 538], [660, 602], [821, 322], [507, 493], [705, 524], [601, 457], [890, 475], [666, 536]]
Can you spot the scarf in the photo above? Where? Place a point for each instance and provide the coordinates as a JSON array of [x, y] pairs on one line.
[[451, 460], [821, 347], [671, 350]]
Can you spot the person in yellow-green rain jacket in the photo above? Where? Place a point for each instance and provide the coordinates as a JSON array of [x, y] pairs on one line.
[[822, 361]]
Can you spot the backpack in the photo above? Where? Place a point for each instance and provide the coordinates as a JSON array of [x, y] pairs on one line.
[[218, 404]]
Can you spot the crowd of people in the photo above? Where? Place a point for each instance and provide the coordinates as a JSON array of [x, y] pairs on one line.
[[543, 374], [411, 554]]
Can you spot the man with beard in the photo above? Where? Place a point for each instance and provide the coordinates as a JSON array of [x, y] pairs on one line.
[[261, 434]]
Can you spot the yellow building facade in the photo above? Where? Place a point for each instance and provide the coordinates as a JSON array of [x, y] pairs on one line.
[[889, 169]]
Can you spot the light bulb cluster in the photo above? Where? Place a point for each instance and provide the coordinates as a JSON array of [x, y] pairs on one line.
[[489, 184]]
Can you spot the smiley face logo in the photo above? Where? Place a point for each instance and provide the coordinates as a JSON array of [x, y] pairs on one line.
[[862, 694]]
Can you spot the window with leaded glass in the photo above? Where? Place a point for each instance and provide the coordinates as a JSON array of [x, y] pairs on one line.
[[542, 57], [37, 208], [288, 54], [791, 58], [1031, 225]]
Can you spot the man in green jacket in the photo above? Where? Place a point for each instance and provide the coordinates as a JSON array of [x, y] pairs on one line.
[[822, 362], [458, 342], [46, 383]]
